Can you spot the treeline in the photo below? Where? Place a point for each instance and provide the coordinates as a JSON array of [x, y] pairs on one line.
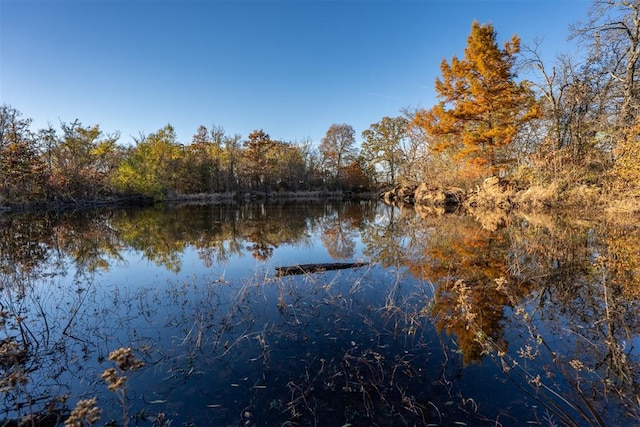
[[80, 163], [83, 163], [573, 125]]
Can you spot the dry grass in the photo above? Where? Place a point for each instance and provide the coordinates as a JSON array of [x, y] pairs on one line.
[[585, 196], [538, 197], [559, 194], [624, 206]]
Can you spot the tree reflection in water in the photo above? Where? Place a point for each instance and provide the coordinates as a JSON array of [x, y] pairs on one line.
[[565, 290], [542, 311]]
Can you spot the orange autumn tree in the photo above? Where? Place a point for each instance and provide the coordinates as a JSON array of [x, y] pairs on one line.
[[481, 106]]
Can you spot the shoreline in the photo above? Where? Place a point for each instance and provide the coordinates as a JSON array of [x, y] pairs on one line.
[[499, 195], [204, 198]]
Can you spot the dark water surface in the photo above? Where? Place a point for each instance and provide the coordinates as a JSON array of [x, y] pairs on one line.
[[455, 320]]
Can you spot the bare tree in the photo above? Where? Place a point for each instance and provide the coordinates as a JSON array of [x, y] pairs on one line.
[[576, 99], [612, 33], [13, 128], [338, 147]]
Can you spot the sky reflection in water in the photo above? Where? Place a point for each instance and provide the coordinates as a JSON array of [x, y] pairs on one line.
[[451, 321]]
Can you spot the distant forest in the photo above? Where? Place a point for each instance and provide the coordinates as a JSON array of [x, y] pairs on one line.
[[573, 127]]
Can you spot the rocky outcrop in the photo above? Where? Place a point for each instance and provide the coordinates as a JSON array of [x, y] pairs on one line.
[[494, 193], [448, 198], [424, 195], [399, 193]]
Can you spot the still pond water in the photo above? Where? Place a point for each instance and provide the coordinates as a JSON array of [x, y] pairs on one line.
[[454, 320]]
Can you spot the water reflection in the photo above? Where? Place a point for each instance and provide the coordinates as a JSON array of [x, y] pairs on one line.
[[459, 319]]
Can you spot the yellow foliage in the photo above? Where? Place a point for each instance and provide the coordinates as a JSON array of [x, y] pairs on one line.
[[627, 165]]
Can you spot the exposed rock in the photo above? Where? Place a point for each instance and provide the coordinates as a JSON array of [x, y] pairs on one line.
[[434, 196], [494, 193], [407, 193], [404, 193], [428, 196]]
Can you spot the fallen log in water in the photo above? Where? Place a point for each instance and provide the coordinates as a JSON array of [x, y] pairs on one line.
[[314, 268]]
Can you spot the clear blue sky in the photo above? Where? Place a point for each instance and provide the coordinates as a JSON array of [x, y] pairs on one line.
[[291, 67]]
